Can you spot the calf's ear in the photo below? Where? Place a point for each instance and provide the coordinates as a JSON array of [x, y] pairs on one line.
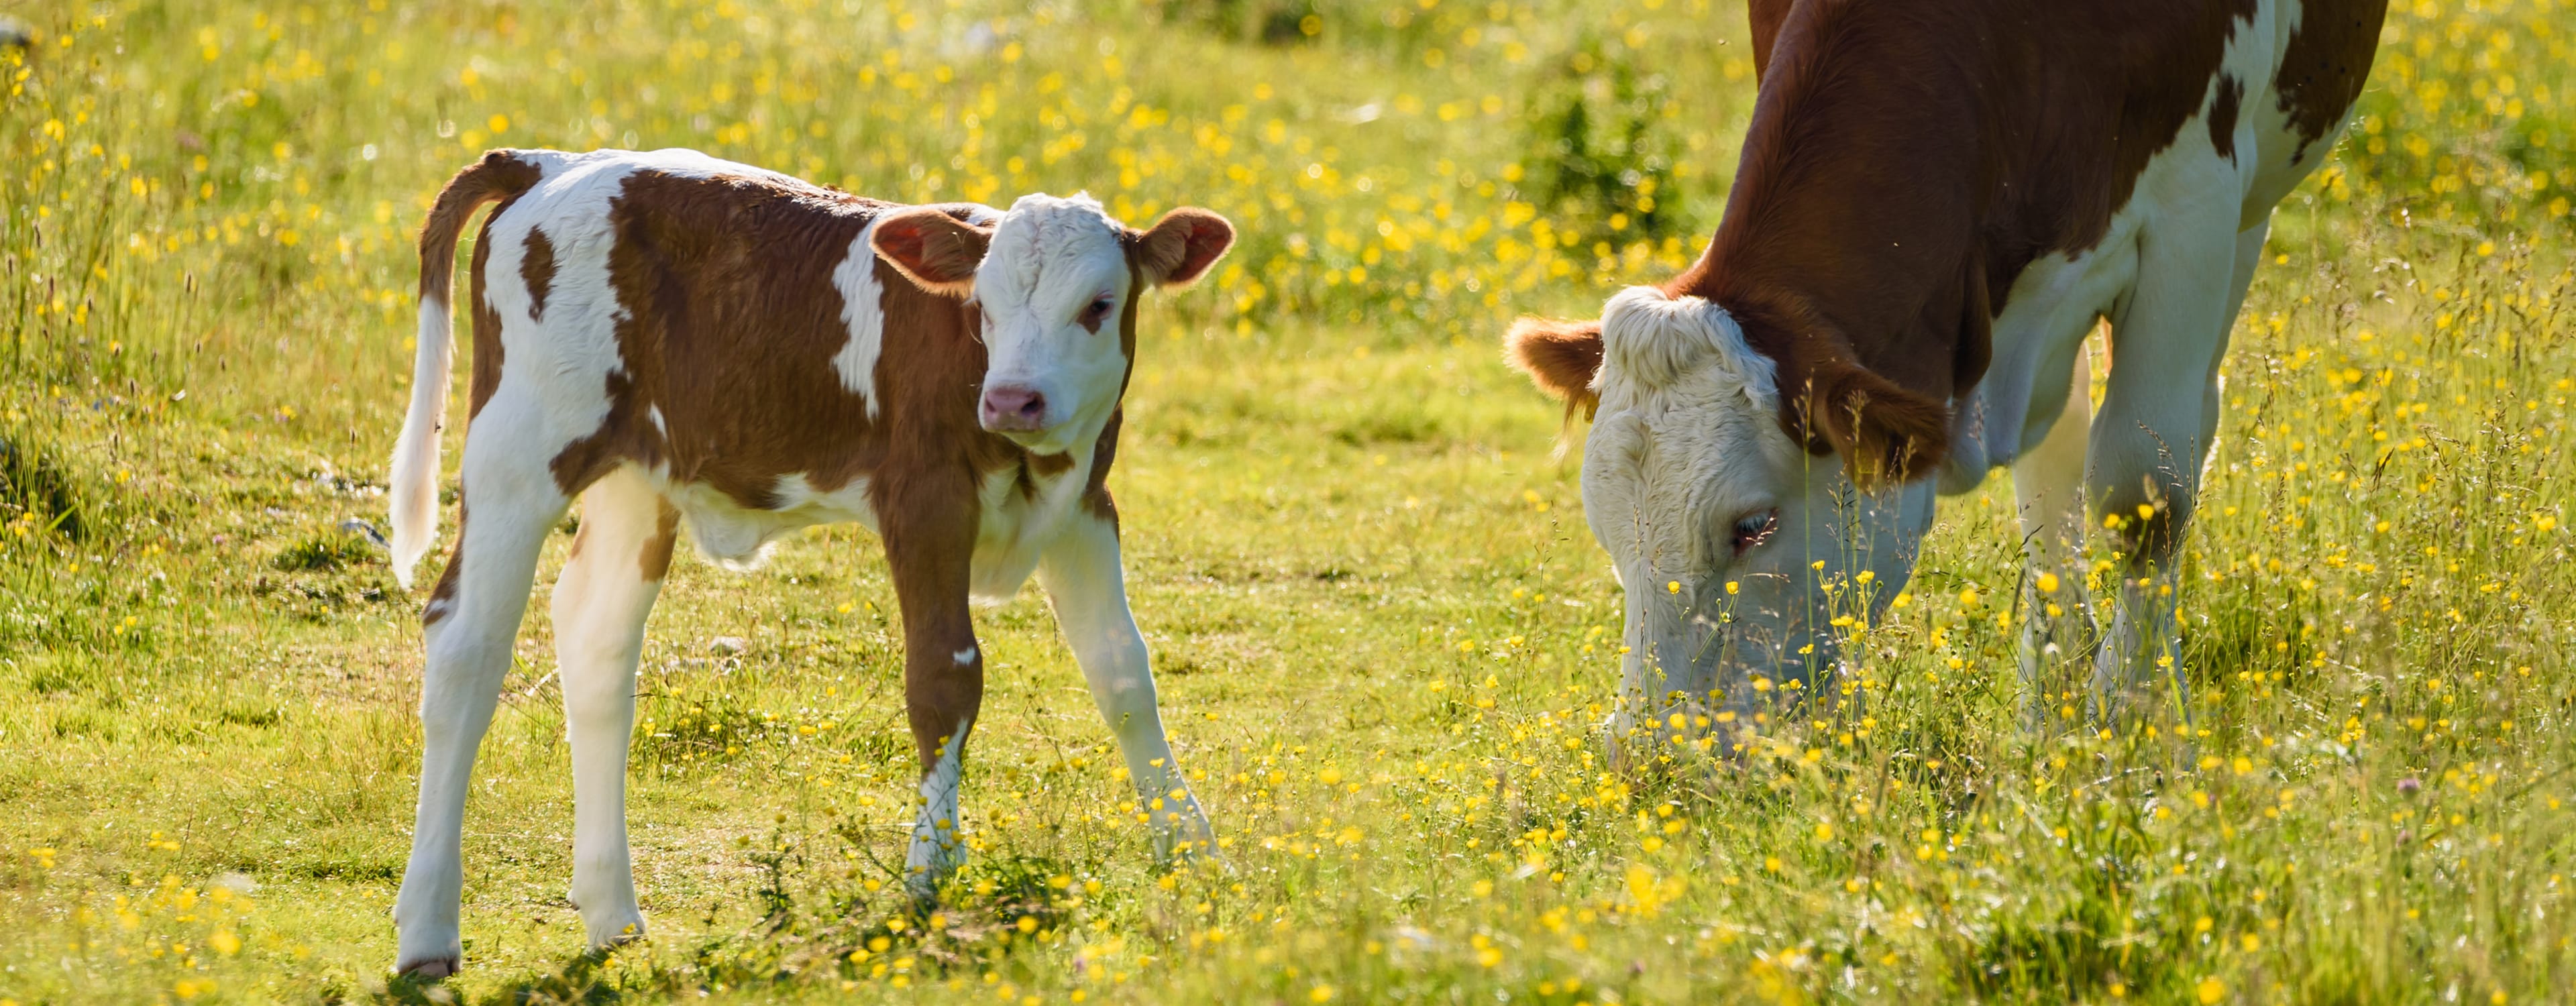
[[1560, 357], [1180, 247], [937, 252]]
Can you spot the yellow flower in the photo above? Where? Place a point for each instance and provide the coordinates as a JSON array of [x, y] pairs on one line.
[[2211, 990]]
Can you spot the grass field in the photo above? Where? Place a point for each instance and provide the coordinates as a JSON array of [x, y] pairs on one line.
[[1384, 638]]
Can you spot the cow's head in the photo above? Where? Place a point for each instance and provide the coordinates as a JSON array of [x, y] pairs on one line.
[[1737, 543], [1054, 282]]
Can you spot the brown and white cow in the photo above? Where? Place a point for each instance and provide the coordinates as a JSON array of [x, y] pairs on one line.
[[675, 339], [1936, 203]]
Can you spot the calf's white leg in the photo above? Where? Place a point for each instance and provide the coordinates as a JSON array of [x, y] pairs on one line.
[[1087, 585], [600, 605], [510, 502]]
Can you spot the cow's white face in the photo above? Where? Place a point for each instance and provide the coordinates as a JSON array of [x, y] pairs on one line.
[[1736, 548], [1053, 282], [1052, 292]]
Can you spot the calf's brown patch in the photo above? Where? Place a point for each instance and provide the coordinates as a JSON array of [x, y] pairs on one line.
[[442, 597], [656, 558], [537, 269]]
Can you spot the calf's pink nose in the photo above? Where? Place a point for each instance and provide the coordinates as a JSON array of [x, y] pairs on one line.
[[1013, 407]]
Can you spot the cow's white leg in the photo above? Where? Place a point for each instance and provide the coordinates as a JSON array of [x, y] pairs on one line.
[[510, 502], [2048, 490], [1086, 583], [600, 604], [2159, 412]]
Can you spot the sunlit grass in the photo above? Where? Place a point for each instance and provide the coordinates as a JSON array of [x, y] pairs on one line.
[[1382, 633]]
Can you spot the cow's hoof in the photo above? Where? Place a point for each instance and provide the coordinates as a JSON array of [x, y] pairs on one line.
[[433, 969], [612, 933]]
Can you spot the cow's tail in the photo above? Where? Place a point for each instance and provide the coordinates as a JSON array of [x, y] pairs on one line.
[[501, 174]]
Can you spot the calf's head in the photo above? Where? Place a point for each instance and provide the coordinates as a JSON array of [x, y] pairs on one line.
[[1739, 528], [1054, 284]]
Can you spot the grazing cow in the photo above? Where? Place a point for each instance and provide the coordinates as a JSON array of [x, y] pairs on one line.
[[1936, 203], [675, 339]]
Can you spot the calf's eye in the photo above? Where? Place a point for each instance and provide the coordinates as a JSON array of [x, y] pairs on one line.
[[1752, 529], [1098, 310]]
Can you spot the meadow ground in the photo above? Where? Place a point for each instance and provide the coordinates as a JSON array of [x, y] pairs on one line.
[[1382, 634]]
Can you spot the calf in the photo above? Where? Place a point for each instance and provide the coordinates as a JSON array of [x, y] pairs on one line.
[[1935, 204], [676, 339]]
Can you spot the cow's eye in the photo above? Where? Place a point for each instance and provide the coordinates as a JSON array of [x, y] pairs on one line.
[[1752, 529], [1098, 310]]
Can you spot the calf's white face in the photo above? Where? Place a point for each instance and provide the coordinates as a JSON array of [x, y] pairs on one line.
[[1053, 281], [1052, 292], [1736, 547]]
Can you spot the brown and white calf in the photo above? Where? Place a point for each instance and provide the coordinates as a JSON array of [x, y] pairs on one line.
[[1936, 203], [674, 339]]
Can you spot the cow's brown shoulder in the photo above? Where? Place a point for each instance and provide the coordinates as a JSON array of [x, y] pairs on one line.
[[1906, 162]]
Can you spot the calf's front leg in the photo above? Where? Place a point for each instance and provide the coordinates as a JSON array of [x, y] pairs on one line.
[[930, 549], [1086, 583]]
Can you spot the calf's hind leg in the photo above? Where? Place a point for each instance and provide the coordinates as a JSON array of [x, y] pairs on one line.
[[510, 502], [600, 605]]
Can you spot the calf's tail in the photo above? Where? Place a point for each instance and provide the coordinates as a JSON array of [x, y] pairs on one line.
[[501, 174]]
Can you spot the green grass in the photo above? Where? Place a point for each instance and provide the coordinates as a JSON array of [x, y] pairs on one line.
[[1380, 626]]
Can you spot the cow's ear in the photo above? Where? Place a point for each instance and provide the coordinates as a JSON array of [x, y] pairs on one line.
[[937, 252], [1561, 357], [1180, 247], [1887, 436]]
